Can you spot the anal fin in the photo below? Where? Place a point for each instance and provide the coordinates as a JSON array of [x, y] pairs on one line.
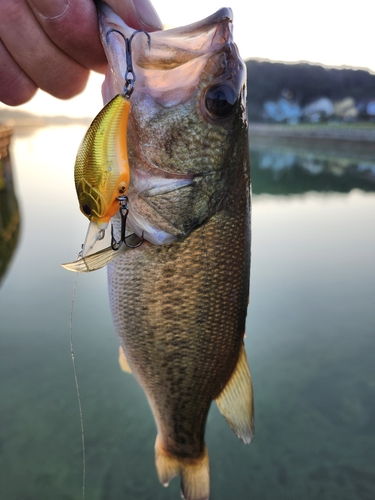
[[235, 401], [124, 365], [194, 472]]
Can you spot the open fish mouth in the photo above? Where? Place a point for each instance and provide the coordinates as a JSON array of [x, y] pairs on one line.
[[171, 66]]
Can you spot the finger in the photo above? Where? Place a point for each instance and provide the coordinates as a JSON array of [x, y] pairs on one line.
[[50, 68], [15, 86], [73, 27], [138, 14]]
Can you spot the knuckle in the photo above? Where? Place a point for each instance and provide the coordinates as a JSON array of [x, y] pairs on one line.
[[68, 85], [16, 88]]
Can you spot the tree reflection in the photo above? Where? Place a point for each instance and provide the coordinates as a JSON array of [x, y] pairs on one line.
[[9, 213], [295, 167]]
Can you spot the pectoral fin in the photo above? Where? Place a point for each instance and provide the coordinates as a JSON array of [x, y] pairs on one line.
[[124, 365], [235, 401]]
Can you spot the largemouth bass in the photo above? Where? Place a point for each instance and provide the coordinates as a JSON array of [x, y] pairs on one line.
[[179, 301]]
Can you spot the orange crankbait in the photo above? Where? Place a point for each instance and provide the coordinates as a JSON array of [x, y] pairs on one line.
[[102, 174], [101, 171]]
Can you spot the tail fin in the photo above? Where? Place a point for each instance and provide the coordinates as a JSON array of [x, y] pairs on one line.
[[194, 472]]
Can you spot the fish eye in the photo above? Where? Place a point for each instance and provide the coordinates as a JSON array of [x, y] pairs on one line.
[[86, 209], [220, 101]]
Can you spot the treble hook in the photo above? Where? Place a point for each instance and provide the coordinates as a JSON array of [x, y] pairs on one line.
[[124, 210], [129, 76]]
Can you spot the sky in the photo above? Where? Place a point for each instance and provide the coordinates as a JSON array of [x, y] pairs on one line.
[[329, 32]]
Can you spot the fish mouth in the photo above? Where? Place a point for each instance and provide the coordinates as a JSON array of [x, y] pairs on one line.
[[169, 68]]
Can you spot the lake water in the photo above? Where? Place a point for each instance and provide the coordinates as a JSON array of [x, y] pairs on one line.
[[310, 341]]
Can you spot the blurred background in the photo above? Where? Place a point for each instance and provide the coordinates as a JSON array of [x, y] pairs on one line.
[[311, 322]]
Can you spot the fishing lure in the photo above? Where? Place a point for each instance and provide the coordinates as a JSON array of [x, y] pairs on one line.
[[101, 171]]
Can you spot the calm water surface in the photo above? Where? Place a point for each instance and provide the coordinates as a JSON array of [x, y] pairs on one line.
[[310, 342]]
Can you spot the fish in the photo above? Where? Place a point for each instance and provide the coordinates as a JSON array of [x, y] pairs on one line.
[[179, 300]]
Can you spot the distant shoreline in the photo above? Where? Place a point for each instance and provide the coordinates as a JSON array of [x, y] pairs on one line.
[[352, 133], [44, 121], [361, 132]]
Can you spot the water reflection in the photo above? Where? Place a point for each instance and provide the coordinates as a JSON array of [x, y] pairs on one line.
[[310, 342], [282, 167], [9, 213]]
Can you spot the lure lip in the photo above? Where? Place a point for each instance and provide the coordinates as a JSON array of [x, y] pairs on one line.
[[101, 258], [96, 233]]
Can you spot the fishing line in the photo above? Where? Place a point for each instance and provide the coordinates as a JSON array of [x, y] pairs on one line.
[[77, 388]]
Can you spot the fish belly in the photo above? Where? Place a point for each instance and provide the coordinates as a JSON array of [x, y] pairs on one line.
[[179, 311]]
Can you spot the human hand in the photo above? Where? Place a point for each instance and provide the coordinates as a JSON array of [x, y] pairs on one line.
[[53, 44]]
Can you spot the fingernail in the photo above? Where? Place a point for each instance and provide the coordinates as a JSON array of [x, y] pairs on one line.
[[50, 9], [147, 15]]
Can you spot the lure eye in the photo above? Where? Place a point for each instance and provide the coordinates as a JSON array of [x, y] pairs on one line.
[[87, 210], [122, 188], [220, 101]]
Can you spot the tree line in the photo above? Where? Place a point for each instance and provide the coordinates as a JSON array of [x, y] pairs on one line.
[[304, 83]]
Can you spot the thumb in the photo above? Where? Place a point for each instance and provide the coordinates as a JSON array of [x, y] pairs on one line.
[[138, 14]]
